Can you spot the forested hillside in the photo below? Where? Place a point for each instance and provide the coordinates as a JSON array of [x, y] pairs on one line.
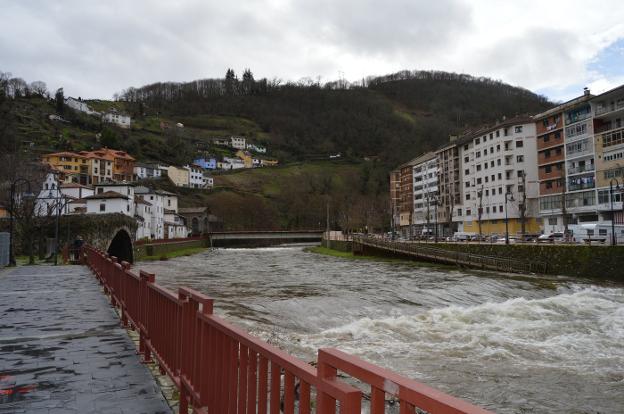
[[374, 125]]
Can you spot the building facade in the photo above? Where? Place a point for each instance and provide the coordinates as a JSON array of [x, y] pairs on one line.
[[425, 190], [178, 176], [449, 210], [499, 179], [117, 118]]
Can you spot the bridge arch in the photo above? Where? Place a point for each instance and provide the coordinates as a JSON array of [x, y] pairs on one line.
[[121, 247]]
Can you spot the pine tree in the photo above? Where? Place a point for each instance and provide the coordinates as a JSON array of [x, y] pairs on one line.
[[230, 82], [59, 97], [248, 82]]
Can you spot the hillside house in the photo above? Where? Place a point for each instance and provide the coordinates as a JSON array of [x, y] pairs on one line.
[[238, 143], [246, 157], [178, 176], [120, 119], [80, 106]]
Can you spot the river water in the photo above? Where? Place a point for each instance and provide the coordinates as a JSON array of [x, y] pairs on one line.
[[508, 343]]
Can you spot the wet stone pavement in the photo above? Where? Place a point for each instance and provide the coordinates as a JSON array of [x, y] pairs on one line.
[[62, 349]]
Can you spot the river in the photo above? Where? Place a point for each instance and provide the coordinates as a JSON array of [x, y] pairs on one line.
[[508, 343]]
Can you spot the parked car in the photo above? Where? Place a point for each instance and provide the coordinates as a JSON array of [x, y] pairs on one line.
[[550, 238]]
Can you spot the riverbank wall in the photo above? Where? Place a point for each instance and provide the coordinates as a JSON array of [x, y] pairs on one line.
[[339, 245], [162, 248], [599, 262]]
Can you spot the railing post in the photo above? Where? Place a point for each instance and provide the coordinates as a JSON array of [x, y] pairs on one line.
[[123, 285], [145, 280]]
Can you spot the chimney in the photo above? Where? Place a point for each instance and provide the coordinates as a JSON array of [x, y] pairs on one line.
[[586, 91]]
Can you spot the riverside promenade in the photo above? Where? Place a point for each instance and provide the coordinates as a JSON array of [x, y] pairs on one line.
[[62, 349]]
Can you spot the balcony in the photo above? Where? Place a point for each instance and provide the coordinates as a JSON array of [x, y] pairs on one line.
[[612, 107], [552, 158], [613, 138], [581, 186], [581, 169]]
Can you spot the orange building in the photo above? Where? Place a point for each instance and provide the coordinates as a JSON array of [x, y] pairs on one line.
[[123, 163]]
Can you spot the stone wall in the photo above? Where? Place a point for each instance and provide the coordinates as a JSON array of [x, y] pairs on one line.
[[158, 249]]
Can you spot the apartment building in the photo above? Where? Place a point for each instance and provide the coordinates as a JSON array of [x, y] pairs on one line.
[[406, 198], [73, 166], [608, 122], [566, 164], [425, 190], [449, 210], [499, 178]]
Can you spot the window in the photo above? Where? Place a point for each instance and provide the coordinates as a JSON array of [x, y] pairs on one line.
[[468, 212], [500, 176], [546, 138], [500, 190], [479, 180], [478, 167], [500, 209], [497, 147], [491, 135], [487, 179], [467, 196], [467, 184], [602, 232], [485, 165], [518, 129], [498, 162], [477, 141], [478, 154], [487, 210], [459, 211], [520, 158], [519, 144], [549, 184], [485, 151], [100, 190], [552, 221], [487, 193], [103, 207], [493, 177], [466, 159], [520, 173], [466, 172], [466, 147], [548, 169], [498, 133]]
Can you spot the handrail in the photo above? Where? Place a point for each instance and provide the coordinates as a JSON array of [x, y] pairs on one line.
[[219, 368]]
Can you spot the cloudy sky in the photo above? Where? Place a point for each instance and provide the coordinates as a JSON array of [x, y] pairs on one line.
[[96, 48]]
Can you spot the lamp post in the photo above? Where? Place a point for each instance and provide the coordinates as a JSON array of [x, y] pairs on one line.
[[508, 197], [11, 217], [617, 187]]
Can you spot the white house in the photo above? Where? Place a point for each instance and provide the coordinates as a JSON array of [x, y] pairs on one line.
[[257, 148], [196, 176], [125, 189], [80, 105], [55, 195], [209, 181], [175, 227], [237, 142], [157, 229], [232, 163], [109, 202], [143, 215], [115, 117], [144, 171]]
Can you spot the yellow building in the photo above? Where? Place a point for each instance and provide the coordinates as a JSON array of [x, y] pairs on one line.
[[532, 226], [269, 163], [74, 166], [179, 176], [246, 157]]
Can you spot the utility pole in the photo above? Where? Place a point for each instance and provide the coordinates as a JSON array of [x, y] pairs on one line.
[[327, 225]]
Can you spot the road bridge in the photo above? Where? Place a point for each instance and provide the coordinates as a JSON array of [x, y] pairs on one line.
[[262, 238]]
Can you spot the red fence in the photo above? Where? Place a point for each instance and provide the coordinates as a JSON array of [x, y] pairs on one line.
[[219, 368]]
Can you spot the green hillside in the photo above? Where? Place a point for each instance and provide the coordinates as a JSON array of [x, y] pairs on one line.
[[374, 126]]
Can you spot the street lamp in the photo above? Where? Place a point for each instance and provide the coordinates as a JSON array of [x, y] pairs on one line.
[[11, 210], [617, 187], [508, 197]]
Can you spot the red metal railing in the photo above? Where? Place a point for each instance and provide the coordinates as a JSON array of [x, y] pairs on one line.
[[219, 368]]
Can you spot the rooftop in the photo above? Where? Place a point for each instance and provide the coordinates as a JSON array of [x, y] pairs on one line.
[[106, 195]]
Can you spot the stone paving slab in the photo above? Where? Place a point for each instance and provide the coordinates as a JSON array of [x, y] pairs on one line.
[[62, 349]]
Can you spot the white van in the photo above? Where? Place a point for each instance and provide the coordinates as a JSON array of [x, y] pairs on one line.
[[596, 233], [463, 236]]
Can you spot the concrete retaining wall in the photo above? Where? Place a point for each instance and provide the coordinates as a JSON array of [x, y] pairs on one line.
[[158, 249], [604, 262]]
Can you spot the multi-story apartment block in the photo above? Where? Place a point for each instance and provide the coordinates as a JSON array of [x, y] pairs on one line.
[[406, 198], [73, 166], [425, 183], [499, 178], [449, 208], [608, 111], [566, 164]]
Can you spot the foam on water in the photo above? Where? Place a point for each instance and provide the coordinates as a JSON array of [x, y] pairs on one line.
[[577, 331]]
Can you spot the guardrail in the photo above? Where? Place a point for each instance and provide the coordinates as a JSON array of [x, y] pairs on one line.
[[218, 368], [455, 256]]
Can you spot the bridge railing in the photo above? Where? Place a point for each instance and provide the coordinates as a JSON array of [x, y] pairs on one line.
[[505, 264], [218, 368]]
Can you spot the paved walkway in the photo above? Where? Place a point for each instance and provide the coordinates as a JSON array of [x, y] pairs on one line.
[[62, 349]]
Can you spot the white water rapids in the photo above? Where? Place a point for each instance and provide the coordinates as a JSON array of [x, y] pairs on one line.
[[511, 344]]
